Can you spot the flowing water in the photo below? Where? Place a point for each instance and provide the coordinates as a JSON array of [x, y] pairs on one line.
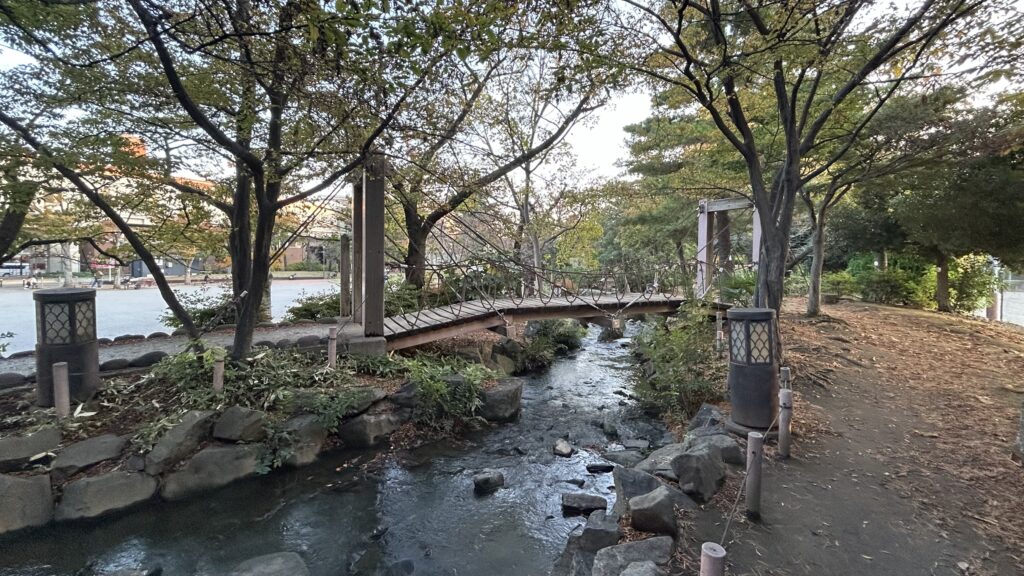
[[417, 506]]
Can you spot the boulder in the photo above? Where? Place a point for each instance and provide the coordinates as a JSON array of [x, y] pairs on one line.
[[659, 462], [600, 468], [17, 451], [627, 458], [180, 441], [579, 503], [654, 512], [487, 481], [147, 359], [129, 337], [563, 448], [630, 483], [722, 444], [115, 364], [404, 567], [700, 472], [602, 530], [85, 454], [212, 467], [504, 363], [406, 395], [24, 502], [158, 335], [636, 444], [707, 416], [95, 496], [574, 561], [307, 436], [508, 347], [609, 334], [310, 341], [279, 564], [11, 380], [645, 568], [614, 560], [241, 424], [501, 403], [369, 430]]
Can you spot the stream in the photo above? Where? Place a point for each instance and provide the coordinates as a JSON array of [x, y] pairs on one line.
[[417, 507]]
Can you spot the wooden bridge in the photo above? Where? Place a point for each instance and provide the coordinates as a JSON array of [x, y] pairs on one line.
[[423, 326]]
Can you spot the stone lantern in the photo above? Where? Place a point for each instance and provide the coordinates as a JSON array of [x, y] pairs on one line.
[[753, 375], [66, 332]]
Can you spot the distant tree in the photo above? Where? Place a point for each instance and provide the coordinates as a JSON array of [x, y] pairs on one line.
[[811, 58]]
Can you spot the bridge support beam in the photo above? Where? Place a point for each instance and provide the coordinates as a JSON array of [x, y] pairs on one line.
[[706, 237], [357, 251], [373, 253]]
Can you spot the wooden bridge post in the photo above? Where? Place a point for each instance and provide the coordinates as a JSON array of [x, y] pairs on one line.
[[705, 242], [345, 276], [373, 253], [357, 251]]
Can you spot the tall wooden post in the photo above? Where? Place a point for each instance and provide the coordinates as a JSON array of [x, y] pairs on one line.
[[755, 240], [705, 242], [373, 253], [345, 276], [357, 251]]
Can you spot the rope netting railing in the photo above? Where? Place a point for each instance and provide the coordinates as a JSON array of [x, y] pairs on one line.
[[498, 279]]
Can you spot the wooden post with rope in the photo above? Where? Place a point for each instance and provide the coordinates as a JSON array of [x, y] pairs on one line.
[[61, 390], [712, 559], [332, 346], [755, 452]]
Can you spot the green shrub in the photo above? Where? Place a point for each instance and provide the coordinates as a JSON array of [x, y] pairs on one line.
[[686, 369], [564, 335], [314, 306], [448, 390], [304, 267], [537, 354], [208, 309], [971, 283], [838, 283], [797, 282], [892, 286], [738, 288]]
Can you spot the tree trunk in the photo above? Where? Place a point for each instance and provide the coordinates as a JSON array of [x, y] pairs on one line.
[[188, 272], [883, 259], [723, 241], [942, 283], [416, 255], [251, 306], [817, 264], [65, 250]]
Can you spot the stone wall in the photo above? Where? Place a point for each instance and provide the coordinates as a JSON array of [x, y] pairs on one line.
[[43, 479]]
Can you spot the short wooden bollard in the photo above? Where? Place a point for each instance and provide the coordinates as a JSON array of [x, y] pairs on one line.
[[785, 422], [218, 375], [332, 347], [784, 376], [61, 390], [712, 559], [755, 451]]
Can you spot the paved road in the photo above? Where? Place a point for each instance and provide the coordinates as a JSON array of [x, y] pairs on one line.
[[129, 311]]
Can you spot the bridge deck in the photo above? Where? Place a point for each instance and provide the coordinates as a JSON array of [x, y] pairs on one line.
[[424, 326]]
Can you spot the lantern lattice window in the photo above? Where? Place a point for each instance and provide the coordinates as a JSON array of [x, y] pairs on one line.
[[760, 343]]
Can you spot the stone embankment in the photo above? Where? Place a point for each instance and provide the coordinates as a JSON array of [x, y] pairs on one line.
[[651, 490], [44, 480]]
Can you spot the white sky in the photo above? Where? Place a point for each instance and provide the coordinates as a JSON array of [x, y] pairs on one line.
[[601, 143]]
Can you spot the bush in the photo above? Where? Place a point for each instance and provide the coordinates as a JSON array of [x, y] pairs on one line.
[[971, 283], [686, 369], [304, 267], [563, 335], [797, 282], [838, 283], [893, 286], [738, 288], [448, 390], [314, 306], [208, 309]]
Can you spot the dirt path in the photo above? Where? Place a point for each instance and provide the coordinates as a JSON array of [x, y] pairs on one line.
[[903, 465]]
